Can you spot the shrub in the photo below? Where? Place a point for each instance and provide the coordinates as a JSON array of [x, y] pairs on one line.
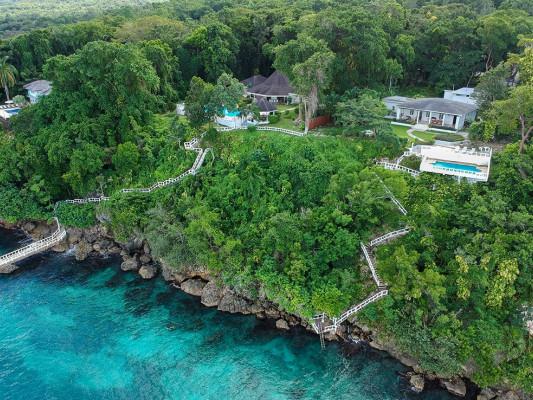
[[251, 128], [449, 137], [78, 216], [273, 119]]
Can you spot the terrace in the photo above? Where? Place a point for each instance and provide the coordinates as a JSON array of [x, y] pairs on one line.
[[473, 164]]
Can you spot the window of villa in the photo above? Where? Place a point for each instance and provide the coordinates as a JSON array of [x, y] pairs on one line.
[[441, 116], [427, 114], [411, 112]]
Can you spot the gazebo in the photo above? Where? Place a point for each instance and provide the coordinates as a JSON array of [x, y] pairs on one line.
[[276, 88], [266, 108]]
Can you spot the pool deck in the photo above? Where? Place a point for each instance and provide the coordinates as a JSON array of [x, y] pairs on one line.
[[478, 158]]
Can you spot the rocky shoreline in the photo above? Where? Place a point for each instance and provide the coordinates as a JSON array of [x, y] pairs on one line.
[[197, 281]]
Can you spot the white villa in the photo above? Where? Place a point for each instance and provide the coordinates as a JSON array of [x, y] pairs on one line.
[[392, 102], [38, 89], [463, 95], [275, 89], [473, 164], [437, 112]]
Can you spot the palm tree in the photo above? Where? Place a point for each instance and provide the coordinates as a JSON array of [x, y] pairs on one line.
[[7, 75]]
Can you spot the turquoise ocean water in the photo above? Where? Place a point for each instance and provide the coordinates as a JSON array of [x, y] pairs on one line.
[[72, 330]]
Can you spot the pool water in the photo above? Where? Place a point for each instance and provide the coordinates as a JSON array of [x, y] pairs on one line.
[[12, 111], [231, 113], [460, 167], [87, 330]]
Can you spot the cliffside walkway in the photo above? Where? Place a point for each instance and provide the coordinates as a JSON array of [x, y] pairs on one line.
[[398, 167], [35, 247], [322, 323], [60, 233]]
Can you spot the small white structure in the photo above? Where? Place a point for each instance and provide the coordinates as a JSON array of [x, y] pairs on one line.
[[38, 89], [8, 110], [463, 95], [266, 107], [180, 108], [437, 112], [473, 164], [392, 102]]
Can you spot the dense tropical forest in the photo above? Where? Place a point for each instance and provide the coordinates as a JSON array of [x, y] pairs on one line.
[[284, 216]]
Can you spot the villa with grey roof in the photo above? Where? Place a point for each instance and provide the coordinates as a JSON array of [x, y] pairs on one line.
[[436, 112], [38, 89]]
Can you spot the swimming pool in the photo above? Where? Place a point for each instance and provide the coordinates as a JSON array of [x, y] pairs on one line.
[[12, 111], [460, 167], [231, 113]]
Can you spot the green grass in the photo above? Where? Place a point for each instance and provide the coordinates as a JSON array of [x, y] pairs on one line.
[[287, 123], [401, 131], [284, 107], [423, 137], [449, 137]]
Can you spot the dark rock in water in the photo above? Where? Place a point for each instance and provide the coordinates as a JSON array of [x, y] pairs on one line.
[[134, 245], [171, 326], [486, 394], [74, 235], [417, 383], [170, 274], [193, 286], [60, 247], [130, 264], [211, 294], [509, 396], [148, 271], [232, 303], [28, 226], [82, 250], [145, 259], [8, 268], [456, 387], [282, 324]]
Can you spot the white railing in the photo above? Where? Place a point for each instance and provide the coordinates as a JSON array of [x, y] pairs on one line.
[[336, 322], [387, 236], [370, 265], [35, 247], [461, 172], [318, 322], [282, 130], [263, 128], [398, 167], [345, 315]]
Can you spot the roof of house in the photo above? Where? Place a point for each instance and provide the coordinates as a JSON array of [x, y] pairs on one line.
[[464, 91], [253, 80], [41, 86], [440, 105], [265, 105], [276, 84], [397, 98]]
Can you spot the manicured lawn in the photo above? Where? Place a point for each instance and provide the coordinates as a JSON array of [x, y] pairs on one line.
[[283, 107], [287, 123], [400, 131], [425, 136], [450, 137]]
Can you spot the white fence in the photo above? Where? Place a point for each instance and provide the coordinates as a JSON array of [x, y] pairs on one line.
[[35, 247], [388, 236], [398, 167]]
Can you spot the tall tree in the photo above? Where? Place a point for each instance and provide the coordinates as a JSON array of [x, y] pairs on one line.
[[197, 102], [308, 64], [7, 75], [214, 48]]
